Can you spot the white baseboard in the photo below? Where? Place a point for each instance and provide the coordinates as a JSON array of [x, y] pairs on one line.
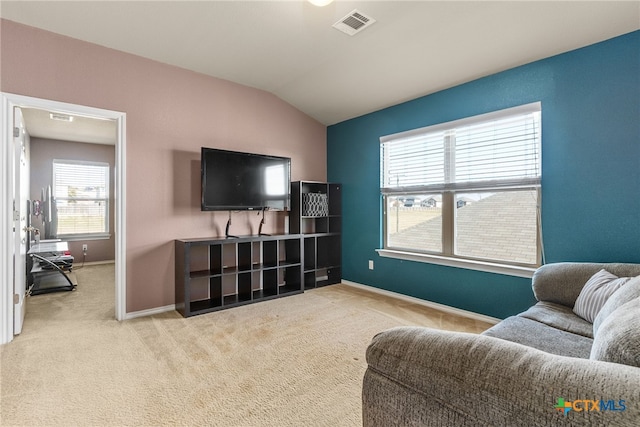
[[149, 312], [430, 304], [112, 261]]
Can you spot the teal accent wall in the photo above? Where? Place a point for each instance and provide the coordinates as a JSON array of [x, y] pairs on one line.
[[590, 172]]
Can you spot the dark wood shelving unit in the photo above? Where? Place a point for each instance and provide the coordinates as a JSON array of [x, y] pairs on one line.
[[219, 273], [316, 213]]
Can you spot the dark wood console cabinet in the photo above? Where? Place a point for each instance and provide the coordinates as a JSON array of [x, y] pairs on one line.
[[214, 274]]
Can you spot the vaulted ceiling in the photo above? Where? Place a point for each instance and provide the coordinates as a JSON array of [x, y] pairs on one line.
[[289, 48]]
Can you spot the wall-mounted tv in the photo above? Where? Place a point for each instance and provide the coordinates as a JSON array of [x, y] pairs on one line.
[[233, 180]]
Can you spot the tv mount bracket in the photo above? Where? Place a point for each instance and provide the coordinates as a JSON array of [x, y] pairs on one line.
[[260, 233], [226, 230]]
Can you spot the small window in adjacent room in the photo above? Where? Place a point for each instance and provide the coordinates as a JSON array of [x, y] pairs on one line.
[[81, 193], [466, 190]]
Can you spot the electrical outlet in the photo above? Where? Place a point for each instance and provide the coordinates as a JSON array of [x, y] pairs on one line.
[[84, 248], [370, 264]]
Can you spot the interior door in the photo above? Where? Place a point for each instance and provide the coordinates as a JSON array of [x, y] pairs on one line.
[[20, 201]]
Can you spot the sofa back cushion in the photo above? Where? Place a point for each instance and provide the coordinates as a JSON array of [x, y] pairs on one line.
[[596, 292], [618, 337], [628, 292], [562, 282]]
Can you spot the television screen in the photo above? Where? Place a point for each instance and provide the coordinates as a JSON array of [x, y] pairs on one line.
[[233, 180]]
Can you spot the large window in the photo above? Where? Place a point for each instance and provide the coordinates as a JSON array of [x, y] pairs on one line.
[[467, 189], [81, 193]]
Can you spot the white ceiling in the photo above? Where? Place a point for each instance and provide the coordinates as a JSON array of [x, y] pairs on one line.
[[81, 129], [290, 49]]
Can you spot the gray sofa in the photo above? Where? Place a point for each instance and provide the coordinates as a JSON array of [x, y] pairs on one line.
[[546, 366]]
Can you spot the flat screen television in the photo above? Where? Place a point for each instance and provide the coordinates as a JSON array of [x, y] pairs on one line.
[[233, 180]]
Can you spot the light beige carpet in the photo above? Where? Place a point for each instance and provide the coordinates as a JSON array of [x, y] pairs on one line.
[[294, 361]]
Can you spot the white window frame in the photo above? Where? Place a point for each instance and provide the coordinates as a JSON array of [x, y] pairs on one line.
[[448, 189], [106, 200]]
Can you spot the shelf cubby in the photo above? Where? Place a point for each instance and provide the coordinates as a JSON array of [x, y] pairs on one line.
[[244, 256], [270, 282], [309, 253], [270, 254]]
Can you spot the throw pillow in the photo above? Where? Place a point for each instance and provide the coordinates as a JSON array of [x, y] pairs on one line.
[[629, 291], [595, 293], [618, 340]]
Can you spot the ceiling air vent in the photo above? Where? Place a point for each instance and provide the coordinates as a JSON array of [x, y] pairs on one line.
[[354, 22], [61, 117]]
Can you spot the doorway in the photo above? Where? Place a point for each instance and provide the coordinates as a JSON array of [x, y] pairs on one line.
[[10, 102]]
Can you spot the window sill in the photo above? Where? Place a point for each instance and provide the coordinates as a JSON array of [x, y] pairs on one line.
[[489, 267], [76, 237]]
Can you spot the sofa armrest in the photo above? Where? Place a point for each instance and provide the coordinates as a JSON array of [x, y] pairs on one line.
[[562, 282], [426, 377]]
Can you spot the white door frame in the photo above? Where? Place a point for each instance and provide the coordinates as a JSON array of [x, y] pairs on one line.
[[8, 102], [21, 234]]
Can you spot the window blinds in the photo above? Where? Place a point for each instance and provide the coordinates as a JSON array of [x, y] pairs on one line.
[[496, 150], [81, 191], [80, 181]]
